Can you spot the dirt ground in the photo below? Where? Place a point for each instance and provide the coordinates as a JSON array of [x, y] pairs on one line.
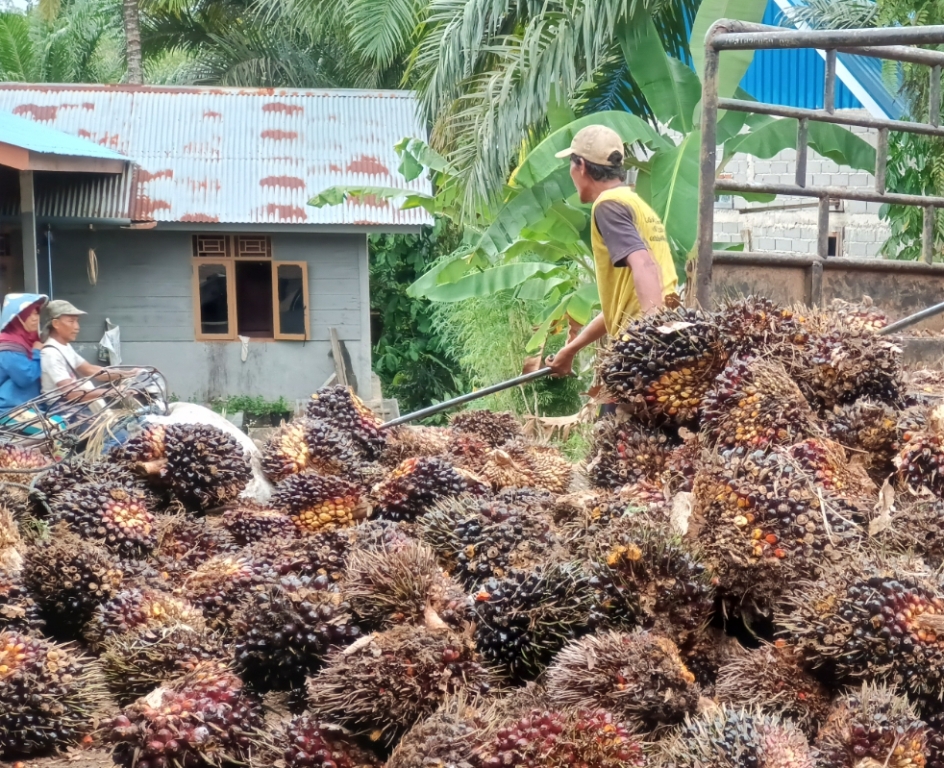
[[74, 758]]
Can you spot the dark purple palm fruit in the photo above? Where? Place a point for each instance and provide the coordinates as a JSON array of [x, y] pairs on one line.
[[403, 585], [920, 463], [69, 578], [112, 515], [480, 538], [447, 738], [310, 744], [870, 429], [319, 503], [639, 677], [136, 607], [217, 586], [49, 695], [284, 631], [342, 409], [250, 524], [874, 621], [138, 661], [414, 486], [725, 737], [18, 610], [385, 683], [772, 679], [184, 543], [467, 451], [524, 619], [753, 322], [410, 442], [495, 428], [202, 717], [935, 743], [320, 554], [873, 725], [624, 452]]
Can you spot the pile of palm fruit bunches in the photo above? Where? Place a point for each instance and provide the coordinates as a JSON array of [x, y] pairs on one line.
[[743, 573]]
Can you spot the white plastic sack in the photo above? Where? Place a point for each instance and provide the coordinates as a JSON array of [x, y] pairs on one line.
[[109, 348], [259, 489]]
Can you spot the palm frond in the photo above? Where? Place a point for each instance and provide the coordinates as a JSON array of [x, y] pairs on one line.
[[832, 14], [382, 30], [17, 53]]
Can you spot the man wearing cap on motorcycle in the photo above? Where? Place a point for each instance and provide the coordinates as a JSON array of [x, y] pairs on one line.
[[634, 268], [61, 364]]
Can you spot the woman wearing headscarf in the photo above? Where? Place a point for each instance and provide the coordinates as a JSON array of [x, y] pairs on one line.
[[20, 368]]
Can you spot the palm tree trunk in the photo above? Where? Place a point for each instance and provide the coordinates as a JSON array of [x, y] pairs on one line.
[[133, 41]]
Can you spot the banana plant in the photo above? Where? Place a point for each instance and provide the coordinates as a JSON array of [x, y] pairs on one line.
[[537, 241]]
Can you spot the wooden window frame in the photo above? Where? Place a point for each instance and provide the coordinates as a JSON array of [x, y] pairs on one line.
[[276, 315], [228, 262]]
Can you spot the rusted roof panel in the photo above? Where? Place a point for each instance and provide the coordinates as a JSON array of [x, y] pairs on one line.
[[229, 155]]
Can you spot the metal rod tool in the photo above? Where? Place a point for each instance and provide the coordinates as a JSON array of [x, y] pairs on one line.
[[907, 322]]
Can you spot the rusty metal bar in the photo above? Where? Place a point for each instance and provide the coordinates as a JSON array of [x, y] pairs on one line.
[[822, 228], [706, 178], [901, 53], [786, 260], [934, 96], [829, 88], [803, 136], [881, 160], [927, 235], [840, 193], [815, 287], [768, 258], [738, 105], [731, 34]]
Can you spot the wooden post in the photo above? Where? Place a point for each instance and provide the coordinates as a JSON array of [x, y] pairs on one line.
[[28, 225], [338, 357]]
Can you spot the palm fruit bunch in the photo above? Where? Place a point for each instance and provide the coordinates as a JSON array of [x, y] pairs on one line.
[[869, 428], [771, 678], [63, 478], [764, 524], [558, 739], [663, 364], [446, 739], [282, 632], [728, 737], [841, 366], [913, 526], [537, 499], [341, 408], [318, 502], [754, 403], [935, 741], [323, 553], [138, 607], [467, 451], [307, 444], [115, 516], [18, 609], [69, 577], [623, 452], [682, 463], [870, 621], [385, 683], [520, 465], [249, 525], [755, 322], [862, 316], [414, 486], [639, 677], [873, 726], [828, 468], [483, 538], [408, 442], [147, 445], [14, 457], [706, 653], [11, 543], [396, 585], [49, 695], [583, 514], [644, 575], [185, 542], [203, 717], [920, 463], [496, 429], [524, 619], [136, 662], [204, 467], [217, 585], [310, 744]]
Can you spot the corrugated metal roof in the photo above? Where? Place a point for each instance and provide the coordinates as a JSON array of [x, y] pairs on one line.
[[24, 133], [229, 155]]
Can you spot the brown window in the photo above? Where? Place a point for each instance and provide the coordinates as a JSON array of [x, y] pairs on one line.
[[239, 290]]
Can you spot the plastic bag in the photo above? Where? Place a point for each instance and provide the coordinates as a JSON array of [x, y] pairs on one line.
[[109, 348]]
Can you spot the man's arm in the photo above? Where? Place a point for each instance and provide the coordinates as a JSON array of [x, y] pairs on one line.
[[648, 280], [85, 369], [76, 394], [562, 363]]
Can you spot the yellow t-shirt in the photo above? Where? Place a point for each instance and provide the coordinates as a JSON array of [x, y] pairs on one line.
[[615, 284]]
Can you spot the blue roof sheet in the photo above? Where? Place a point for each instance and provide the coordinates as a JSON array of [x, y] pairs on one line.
[[30, 135]]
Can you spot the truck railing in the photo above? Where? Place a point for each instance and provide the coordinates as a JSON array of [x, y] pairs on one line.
[[891, 44]]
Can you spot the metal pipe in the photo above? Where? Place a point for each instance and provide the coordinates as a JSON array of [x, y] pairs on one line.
[[799, 113], [822, 228], [741, 35], [927, 235], [839, 193], [901, 53], [907, 322], [706, 177], [934, 96], [462, 399], [881, 161], [803, 135], [829, 88], [49, 258]]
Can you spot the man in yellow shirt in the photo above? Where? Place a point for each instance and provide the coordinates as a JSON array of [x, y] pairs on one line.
[[634, 268]]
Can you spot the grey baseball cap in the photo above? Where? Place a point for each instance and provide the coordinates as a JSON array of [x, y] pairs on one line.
[[61, 307]]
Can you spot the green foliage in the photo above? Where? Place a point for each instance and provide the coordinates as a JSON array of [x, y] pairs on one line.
[[415, 363], [732, 64], [249, 404]]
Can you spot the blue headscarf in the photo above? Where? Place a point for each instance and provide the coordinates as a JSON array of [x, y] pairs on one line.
[[14, 303], [16, 336]]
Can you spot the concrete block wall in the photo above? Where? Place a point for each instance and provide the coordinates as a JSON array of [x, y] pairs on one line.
[[774, 227]]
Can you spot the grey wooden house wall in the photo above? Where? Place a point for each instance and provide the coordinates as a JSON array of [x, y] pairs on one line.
[[145, 286]]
